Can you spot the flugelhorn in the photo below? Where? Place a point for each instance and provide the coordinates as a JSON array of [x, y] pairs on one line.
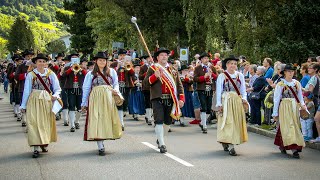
[[128, 66], [76, 68]]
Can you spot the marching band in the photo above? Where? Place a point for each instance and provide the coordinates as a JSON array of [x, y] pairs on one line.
[[164, 91]]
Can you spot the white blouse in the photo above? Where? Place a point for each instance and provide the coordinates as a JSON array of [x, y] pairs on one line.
[[220, 82], [278, 95], [86, 88], [28, 86]]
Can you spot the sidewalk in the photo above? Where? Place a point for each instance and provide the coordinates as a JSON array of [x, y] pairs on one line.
[[273, 134]]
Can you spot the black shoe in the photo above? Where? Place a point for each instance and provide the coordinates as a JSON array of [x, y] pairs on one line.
[[225, 147], [77, 126], [102, 152], [19, 119], [283, 151], [136, 118], [232, 152], [163, 149], [201, 127], [149, 123], [15, 115], [72, 129], [182, 124], [44, 149], [158, 144], [35, 154], [147, 120], [204, 131], [66, 124], [122, 128], [23, 124], [169, 130], [296, 155]]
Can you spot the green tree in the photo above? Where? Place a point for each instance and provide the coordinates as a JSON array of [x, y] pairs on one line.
[[56, 47], [82, 39], [20, 36]]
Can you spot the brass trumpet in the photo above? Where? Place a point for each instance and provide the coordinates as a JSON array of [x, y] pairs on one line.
[[128, 66], [76, 68]]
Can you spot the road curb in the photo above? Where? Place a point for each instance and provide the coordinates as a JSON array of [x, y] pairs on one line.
[[270, 134]]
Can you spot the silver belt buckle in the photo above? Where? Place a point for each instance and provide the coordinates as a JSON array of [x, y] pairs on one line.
[[208, 87], [122, 84], [75, 85], [165, 96]]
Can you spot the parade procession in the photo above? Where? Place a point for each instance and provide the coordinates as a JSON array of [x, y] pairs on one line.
[[131, 99]]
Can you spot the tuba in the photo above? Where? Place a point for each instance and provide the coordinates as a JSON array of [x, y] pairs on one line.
[[76, 68]]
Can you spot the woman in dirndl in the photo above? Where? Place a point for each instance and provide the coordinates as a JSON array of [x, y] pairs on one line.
[[231, 105], [187, 82], [136, 98], [288, 100], [40, 90], [99, 87]]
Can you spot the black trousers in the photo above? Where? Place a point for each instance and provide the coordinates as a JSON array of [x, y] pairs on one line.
[[147, 101], [74, 99], [255, 111], [16, 97], [125, 93], [205, 98], [162, 110], [64, 98]]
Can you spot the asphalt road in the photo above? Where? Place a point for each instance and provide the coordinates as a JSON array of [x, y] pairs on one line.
[[131, 157]]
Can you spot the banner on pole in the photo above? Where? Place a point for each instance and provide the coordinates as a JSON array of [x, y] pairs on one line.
[[184, 54]]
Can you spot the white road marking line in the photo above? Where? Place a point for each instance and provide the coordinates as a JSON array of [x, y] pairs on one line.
[[168, 155]]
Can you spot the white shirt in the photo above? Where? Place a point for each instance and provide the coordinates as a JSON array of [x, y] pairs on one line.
[[278, 95], [220, 82], [86, 88], [28, 86]]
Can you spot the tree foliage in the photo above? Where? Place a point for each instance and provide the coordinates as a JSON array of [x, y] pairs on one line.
[[56, 47], [286, 30], [20, 36], [42, 10], [82, 39]]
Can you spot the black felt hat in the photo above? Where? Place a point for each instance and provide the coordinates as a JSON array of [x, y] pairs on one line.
[[39, 56], [60, 55], [122, 51], [183, 67], [136, 62], [230, 58], [90, 63], [204, 55], [288, 67], [102, 55], [27, 52], [161, 50], [16, 57]]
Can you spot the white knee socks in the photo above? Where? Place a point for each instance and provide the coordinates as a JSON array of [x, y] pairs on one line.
[[203, 117], [23, 118], [100, 144], [148, 114], [159, 133], [120, 112], [72, 117], [231, 146], [16, 109], [78, 115], [182, 120], [36, 148], [65, 115]]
